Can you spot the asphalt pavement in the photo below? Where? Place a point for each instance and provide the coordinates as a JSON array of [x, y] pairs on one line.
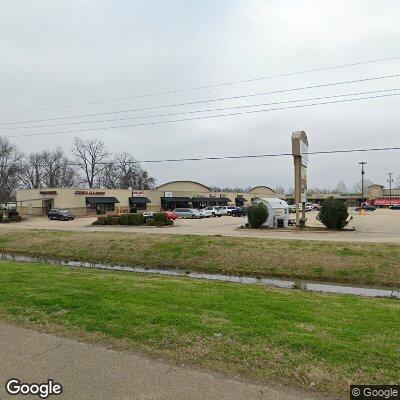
[[379, 226]]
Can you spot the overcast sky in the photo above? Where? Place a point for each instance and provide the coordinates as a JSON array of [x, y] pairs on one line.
[[56, 53]]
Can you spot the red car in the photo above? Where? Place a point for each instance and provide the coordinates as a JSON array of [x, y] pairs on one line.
[[171, 215]]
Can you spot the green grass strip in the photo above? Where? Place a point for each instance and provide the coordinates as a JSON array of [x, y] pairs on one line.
[[276, 335], [353, 263]]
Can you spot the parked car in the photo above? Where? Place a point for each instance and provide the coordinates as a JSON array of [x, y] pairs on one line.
[[317, 206], [226, 210], [205, 213], [395, 207], [147, 215], [239, 212], [309, 207], [61, 215], [215, 211], [171, 215], [366, 207], [187, 213]]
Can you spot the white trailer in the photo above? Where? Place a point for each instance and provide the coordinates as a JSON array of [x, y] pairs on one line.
[[278, 209]]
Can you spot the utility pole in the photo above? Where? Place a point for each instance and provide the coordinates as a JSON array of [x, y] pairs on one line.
[[362, 163], [390, 180]]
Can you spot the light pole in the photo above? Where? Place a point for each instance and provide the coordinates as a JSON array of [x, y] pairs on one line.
[[390, 180], [362, 163]]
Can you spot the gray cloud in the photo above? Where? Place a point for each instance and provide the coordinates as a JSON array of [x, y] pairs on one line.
[[67, 52]]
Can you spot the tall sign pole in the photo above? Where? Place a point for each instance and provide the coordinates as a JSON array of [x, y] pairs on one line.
[[390, 180], [362, 163], [300, 157]]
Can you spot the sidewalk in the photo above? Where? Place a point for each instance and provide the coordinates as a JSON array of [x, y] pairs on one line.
[[88, 371]]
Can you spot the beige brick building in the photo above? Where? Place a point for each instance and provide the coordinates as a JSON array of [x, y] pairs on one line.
[[174, 194]]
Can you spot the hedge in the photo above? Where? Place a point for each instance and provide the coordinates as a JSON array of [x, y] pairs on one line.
[[257, 214], [162, 217], [131, 219], [159, 219], [334, 213], [12, 216]]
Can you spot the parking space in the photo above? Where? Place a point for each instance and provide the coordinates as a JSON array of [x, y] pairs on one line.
[[382, 225]]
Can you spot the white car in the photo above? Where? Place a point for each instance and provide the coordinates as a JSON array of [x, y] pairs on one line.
[[214, 210], [188, 213], [226, 210], [310, 207], [148, 214], [205, 213]]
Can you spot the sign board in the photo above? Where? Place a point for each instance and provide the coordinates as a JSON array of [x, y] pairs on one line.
[[48, 192], [89, 192], [303, 153], [167, 194], [300, 156], [303, 184], [138, 193]]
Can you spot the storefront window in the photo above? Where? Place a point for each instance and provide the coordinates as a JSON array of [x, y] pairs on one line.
[[100, 205]]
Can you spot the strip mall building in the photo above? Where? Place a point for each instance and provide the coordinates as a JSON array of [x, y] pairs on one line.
[[83, 202]]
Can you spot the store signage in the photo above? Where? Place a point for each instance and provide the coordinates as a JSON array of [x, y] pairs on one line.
[[48, 192], [167, 194], [304, 153], [303, 184], [138, 193], [89, 192]]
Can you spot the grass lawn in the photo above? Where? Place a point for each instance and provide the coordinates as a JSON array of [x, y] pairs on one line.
[[359, 263], [283, 336]]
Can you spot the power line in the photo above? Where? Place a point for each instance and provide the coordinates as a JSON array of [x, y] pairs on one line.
[[273, 155], [212, 158], [201, 111], [208, 100], [206, 86], [200, 118]]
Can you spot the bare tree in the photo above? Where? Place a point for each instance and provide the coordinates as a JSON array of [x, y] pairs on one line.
[[142, 180], [230, 189], [290, 191], [317, 190], [10, 164], [357, 188], [31, 172], [279, 190], [57, 169], [91, 156], [124, 172], [109, 176], [341, 187], [397, 182], [47, 169]]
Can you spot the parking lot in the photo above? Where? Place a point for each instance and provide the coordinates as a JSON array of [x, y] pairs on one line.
[[381, 225]]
